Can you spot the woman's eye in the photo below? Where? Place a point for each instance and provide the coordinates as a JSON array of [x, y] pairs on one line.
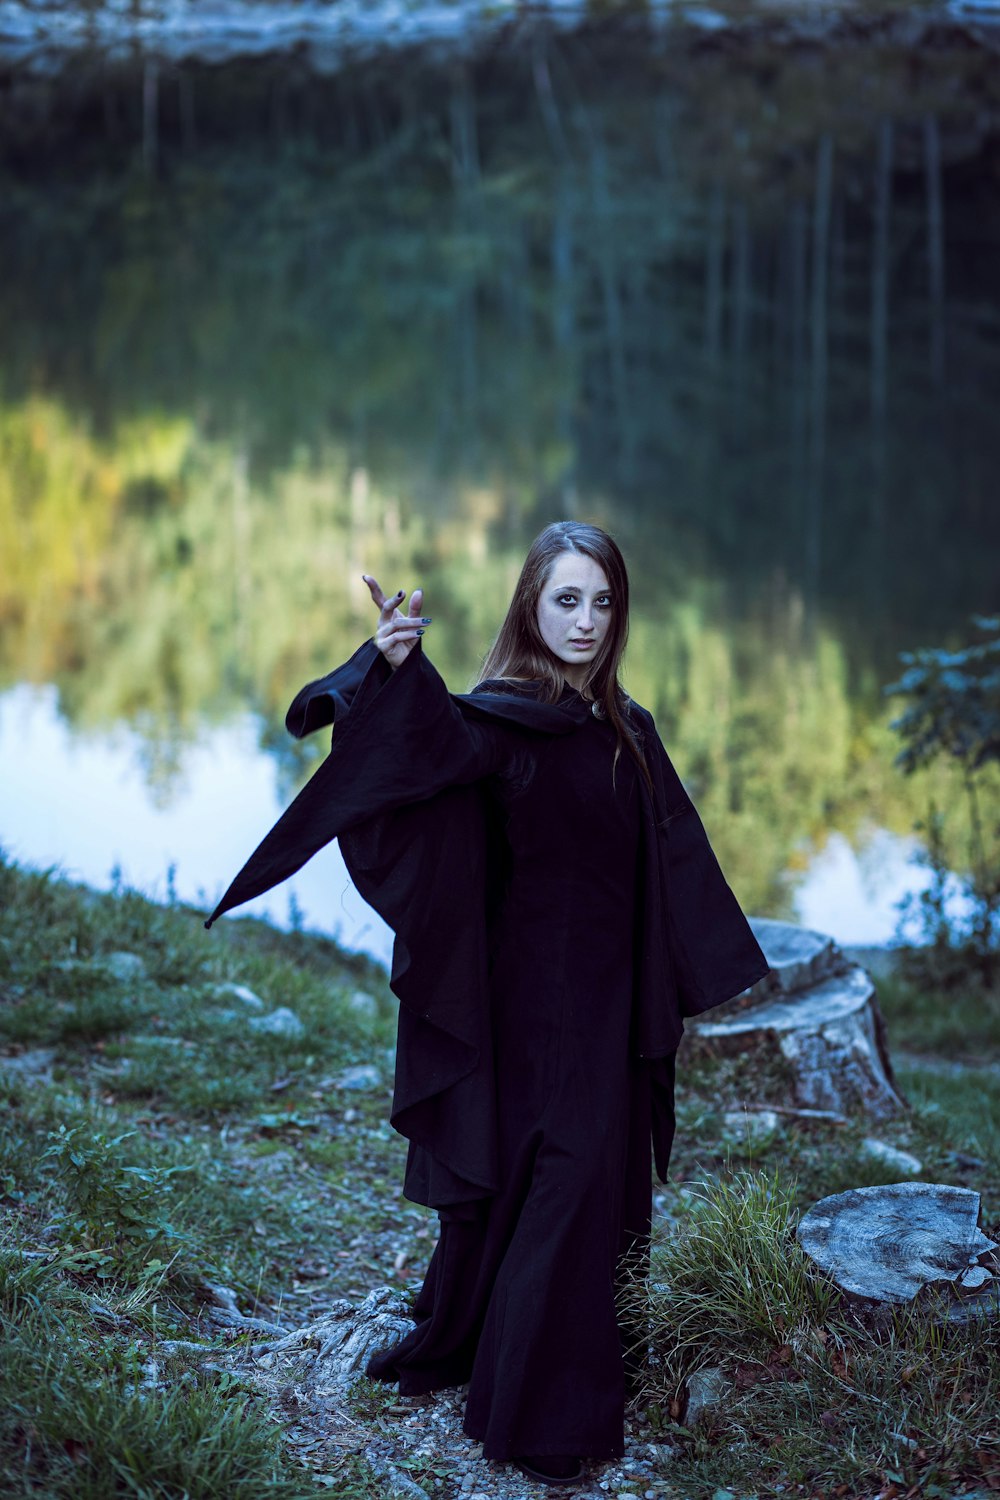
[[567, 599], [603, 602]]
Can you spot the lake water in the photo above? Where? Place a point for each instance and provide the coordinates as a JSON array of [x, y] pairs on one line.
[[728, 285]]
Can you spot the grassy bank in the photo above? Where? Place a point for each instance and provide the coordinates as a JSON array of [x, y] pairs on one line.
[[163, 1134]]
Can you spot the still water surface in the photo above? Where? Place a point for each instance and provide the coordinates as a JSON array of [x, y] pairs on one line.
[[734, 294]]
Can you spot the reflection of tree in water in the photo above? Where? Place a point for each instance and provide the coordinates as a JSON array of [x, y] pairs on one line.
[[736, 301]]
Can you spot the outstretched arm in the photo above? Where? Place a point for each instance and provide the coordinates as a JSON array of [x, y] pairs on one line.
[[404, 739]]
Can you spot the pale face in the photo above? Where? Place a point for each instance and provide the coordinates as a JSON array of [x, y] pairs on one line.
[[574, 614]]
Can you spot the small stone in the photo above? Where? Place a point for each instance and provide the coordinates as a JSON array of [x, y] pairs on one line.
[[241, 993], [706, 1389], [627, 1495], [891, 1156], [124, 966], [36, 1063], [280, 1022], [362, 1076], [756, 1125], [363, 1004]]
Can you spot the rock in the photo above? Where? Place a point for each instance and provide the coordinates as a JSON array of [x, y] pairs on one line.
[[35, 1064], [759, 1125], [363, 1004], [280, 1022], [124, 966], [337, 1347], [706, 1388], [362, 1076], [394, 1481], [241, 993], [891, 1156], [887, 1244]]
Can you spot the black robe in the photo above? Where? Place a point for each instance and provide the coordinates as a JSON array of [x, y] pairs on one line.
[[530, 1076]]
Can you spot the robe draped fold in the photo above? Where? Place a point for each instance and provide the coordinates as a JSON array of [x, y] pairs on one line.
[[403, 790]]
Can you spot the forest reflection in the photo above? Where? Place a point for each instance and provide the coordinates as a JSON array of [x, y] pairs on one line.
[[265, 327]]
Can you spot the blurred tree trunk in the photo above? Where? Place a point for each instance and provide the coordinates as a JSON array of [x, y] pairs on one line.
[[818, 370], [150, 114], [879, 369], [935, 245]]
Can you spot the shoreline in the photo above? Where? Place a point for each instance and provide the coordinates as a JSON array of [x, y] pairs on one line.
[[330, 35]]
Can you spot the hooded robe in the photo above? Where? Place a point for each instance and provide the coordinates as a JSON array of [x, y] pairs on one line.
[[406, 790]]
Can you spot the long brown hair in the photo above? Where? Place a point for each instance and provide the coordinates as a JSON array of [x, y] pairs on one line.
[[520, 654]]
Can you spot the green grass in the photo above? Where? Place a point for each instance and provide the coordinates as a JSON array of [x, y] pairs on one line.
[[151, 1142], [817, 1401], [963, 1021]]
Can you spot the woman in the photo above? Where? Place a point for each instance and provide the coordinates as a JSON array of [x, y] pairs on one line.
[[557, 910]]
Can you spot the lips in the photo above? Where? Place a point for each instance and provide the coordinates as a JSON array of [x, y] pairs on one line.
[[582, 643]]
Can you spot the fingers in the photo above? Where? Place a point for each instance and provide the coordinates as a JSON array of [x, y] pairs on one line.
[[400, 630], [388, 607], [374, 590]]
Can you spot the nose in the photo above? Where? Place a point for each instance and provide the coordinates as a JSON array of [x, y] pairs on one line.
[[585, 619]]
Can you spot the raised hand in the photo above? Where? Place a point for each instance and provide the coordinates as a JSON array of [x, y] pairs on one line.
[[397, 632]]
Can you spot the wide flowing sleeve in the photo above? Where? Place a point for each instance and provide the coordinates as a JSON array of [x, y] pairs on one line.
[[399, 738], [696, 930], [329, 698], [696, 948], [401, 789]]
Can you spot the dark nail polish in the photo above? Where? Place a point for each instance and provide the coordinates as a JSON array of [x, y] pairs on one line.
[[427, 620], [420, 632]]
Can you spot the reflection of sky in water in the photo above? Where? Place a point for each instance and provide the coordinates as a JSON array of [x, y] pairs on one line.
[[97, 812], [854, 894], [82, 803]]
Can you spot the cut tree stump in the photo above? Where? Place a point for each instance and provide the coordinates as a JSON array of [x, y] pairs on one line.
[[818, 1013], [337, 1347], [890, 1244]]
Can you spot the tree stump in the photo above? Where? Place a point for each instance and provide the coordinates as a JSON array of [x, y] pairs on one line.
[[337, 1347], [818, 1013], [907, 1240]]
